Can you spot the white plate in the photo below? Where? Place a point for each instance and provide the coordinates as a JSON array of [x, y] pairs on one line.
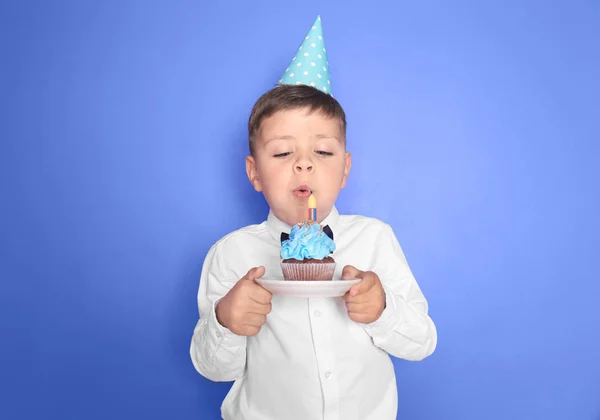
[[308, 288]]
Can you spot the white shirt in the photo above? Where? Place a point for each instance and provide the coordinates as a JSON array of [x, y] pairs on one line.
[[310, 361]]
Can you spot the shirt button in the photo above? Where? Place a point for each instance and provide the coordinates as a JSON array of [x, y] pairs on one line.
[[327, 375], [317, 313]]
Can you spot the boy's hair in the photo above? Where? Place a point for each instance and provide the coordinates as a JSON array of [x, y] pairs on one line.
[[285, 97]]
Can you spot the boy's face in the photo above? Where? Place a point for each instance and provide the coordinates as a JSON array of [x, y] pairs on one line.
[[296, 152]]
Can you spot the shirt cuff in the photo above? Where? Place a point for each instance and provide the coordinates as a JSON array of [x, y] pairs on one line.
[[222, 335], [387, 322]]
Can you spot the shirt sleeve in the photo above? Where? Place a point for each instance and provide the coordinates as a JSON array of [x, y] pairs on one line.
[[216, 352], [404, 329]]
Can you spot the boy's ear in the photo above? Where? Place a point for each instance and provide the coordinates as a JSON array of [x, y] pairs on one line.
[[347, 166], [253, 173]]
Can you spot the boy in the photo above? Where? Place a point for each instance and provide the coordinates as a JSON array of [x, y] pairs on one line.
[[318, 358]]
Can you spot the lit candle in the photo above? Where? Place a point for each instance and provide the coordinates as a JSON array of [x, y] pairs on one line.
[[312, 208]]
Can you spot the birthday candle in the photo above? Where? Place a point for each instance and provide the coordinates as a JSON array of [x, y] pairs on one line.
[[312, 208]]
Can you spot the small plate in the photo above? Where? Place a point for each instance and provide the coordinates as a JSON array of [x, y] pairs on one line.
[[308, 288]]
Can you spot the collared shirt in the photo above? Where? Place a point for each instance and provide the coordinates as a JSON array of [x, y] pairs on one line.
[[310, 361]]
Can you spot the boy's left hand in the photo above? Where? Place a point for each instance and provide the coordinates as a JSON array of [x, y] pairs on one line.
[[365, 301]]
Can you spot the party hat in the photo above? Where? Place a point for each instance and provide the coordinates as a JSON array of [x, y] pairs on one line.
[[310, 66]]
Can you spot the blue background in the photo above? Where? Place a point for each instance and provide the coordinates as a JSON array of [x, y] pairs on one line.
[[474, 128]]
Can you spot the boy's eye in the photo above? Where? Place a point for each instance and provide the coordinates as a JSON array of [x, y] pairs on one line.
[[324, 153], [280, 155]]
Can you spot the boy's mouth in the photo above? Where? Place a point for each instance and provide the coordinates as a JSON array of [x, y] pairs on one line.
[[303, 191]]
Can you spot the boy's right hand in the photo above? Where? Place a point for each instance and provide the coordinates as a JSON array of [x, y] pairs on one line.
[[243, 310]]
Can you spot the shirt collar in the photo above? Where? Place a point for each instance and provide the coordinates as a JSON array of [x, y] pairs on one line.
[[277, 226]]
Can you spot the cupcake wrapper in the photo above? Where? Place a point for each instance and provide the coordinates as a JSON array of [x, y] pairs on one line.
[[292, 271]]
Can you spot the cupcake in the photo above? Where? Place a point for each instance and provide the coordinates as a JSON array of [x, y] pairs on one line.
[[305, 252]]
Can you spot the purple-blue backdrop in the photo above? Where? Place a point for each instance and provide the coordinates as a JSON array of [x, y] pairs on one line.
[[474, 128]]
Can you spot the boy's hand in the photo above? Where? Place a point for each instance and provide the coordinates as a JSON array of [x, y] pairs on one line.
[[243, 310], [365, 301]]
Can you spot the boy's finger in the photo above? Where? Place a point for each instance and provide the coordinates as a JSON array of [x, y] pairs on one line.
[[260, 294], [255, 273], [359, 317], [361, 298], [256, 307], [357, 308], [355, 290], [255, 320], [365, 284], [350, 273]]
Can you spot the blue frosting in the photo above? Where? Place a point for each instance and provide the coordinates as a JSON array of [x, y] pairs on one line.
[[307, 241]]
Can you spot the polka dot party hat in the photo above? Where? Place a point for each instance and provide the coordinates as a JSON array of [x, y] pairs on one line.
[[310, 66]]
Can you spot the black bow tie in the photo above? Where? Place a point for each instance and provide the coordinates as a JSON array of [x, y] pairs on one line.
[[326, 229]]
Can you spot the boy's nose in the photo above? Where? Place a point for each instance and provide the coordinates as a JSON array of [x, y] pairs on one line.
[[304, 166], [303, 163]]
